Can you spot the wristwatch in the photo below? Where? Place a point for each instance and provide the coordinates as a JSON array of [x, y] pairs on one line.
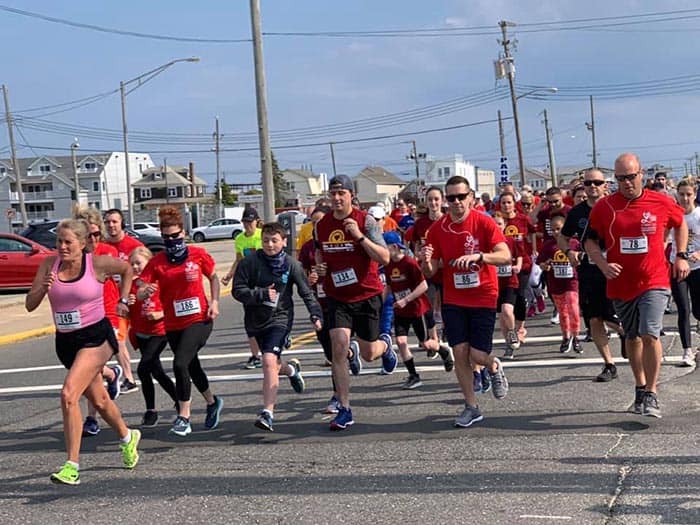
[[682, 255], [125, 302]]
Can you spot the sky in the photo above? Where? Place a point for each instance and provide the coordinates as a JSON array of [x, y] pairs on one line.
[[401, 88]]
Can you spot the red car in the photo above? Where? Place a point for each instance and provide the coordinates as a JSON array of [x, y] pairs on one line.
[[19, 260]]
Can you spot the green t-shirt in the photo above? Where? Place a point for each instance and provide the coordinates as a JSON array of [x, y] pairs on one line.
[[246, 245]]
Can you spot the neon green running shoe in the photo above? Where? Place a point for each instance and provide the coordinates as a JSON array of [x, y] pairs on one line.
[[130, 453], [68, 475]]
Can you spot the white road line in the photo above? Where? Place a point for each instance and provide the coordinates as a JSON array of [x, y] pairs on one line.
[[543, 517]]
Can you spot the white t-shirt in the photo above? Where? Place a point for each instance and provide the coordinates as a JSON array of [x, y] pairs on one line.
[[692, 219]]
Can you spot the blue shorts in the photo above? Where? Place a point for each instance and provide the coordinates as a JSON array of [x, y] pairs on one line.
[[473, 326], [271, 341]]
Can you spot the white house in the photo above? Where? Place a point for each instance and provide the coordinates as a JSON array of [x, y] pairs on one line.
[[376, 184], [438, 170]]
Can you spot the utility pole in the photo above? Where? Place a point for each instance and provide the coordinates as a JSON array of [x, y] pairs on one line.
[[591, 128], [501, 136], [217, 136], [550, 150], [510, 67], [268, 185], [165, 177], [415, 156], [15, 161], [76, 181], [697, 164], [332, 157]]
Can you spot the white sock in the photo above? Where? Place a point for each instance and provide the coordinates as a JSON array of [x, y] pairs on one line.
[[292, 370], [269, 412], [76, 465], [126, 438]]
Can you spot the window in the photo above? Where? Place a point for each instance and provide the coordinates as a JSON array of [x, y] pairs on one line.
[[96, 205], [90, 166], [45, 168], [172, 192], [188, 191], [145, 193], [446, 172], [3, 170], [96, 185], [12, 245], [439, 172]]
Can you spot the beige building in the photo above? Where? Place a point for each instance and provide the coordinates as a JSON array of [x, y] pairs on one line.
[[376, 184]]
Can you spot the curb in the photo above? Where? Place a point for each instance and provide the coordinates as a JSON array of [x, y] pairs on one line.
[[27, 334]]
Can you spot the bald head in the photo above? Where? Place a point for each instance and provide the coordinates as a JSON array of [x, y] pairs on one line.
[[628, 172], [627, 163]]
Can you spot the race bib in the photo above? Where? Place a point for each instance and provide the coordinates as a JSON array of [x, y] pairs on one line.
[[344, 277], [67, 320], [563, 271], [634, 245], [273, 304], [402, 294], [320, 292], [466, 280], [504, 271], [185, 307]]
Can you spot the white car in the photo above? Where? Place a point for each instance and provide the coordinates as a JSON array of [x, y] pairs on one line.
[[147, 227], [218, 229]]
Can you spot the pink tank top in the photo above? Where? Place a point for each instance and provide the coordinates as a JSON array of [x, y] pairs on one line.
[[79, 303]]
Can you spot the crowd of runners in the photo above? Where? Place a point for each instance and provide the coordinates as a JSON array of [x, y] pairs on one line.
[[448, 270]]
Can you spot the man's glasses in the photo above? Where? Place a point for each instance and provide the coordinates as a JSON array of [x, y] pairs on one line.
[[593, 182], [95, 235], [171, 235], [526, 204], [457, 197], [629, 177], [553, 203]]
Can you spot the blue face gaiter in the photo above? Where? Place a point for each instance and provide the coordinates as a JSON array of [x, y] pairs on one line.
[[176, 250]]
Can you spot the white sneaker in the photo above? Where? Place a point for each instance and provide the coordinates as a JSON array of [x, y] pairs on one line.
[[555, 318], [688, 358]]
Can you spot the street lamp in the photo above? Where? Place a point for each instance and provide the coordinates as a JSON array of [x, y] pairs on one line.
[[76, 183], [140, 81]]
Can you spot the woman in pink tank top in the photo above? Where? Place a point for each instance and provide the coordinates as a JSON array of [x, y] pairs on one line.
[[85, 341]]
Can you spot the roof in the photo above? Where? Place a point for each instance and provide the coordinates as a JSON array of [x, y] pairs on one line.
[[380, 176], [175, 176], [304, 174]]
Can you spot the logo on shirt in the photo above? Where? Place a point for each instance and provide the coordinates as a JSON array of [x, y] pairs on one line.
[[192, 271], [338, 243], [512, 231], [560, 257], [471, 245], [648, 223], [397, 276]]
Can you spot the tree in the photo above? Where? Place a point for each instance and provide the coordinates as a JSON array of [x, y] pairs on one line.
[[228, 198], [278, 182]]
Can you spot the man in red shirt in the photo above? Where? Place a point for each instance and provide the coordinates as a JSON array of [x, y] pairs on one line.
[[632, 223], [469, 246], [349, 249], [400, 211], [124, 244]]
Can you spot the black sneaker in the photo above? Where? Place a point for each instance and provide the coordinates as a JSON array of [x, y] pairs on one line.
[[608, 374], [253, 363], [150, 419], [650, 405], [566, 345], [578, 348], [638, 399], [211, 420], [264, 421], [127, 387], [296, 380], [412, 382]]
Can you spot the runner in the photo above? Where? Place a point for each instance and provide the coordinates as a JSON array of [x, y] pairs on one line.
[[468, 245], [349, 248], [596, 309], [189, 317], [85, 341], [147, 334], [632, 224], [263, 283], [508, 285]]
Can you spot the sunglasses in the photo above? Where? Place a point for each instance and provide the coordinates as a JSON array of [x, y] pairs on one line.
[[171, 235], [593, 182], [553, 203], [629, 177], [95, 235], [525, 203], [457, 197]]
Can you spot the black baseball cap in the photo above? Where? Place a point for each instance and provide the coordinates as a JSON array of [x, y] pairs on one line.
[[341, 182], [250, 215]]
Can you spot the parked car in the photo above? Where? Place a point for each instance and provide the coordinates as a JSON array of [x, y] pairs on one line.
[[44, 233], [148, 227], [20, 259], [218, 229]]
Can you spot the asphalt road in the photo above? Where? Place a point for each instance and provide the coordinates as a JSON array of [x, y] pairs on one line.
[[559, 448]]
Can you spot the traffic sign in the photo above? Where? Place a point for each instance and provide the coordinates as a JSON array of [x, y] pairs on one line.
[[504, 169]]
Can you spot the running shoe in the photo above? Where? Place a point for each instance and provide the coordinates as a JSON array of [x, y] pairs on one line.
[[288, 342], [412, 382], [650, 405], [468, 417], [431, 354], [68, 475], [149, 419], [688, 358], [296, 379], [638, 399], [541, 307], [90, 427], [211, 420], [354, 360], [343, 419], [566, 345], [508, 354], [512, 341], [531, 311], [576, 344], [389, 358], [608, 374], [181, 427], [589, 337], [127, 387], [114, 386], [499, 382], [253, 363], [130, 452], [485, 380], [333, 406], [264, 421], [476, 382], [555, 317], [448, 358]]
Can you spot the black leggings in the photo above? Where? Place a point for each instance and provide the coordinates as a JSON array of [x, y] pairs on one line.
[[520, 309], [685, 293], [151, 368], [185, 344], [324, 337]]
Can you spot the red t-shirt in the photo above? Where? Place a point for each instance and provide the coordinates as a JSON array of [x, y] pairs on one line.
[[397, 215], [520, 228], [420, 232], [450, 240], [634, 235], [403, 277], [307, 258], [180, 286], [506, 277], [140, 324], [562, 277], [351, 275], [111, 288], [544, 219], [125, 246]]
